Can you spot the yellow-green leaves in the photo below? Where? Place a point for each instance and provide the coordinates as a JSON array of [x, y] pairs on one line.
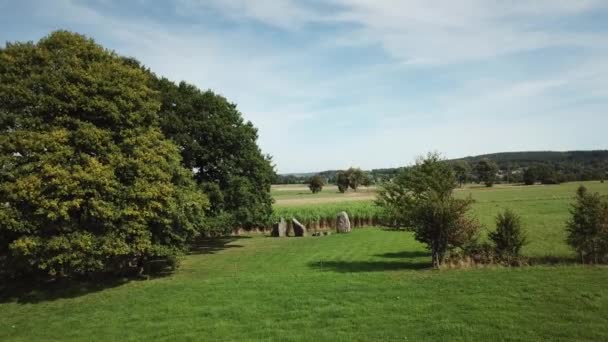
[[88, 183]]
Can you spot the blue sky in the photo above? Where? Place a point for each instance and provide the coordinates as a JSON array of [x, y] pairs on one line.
[[368, 83]]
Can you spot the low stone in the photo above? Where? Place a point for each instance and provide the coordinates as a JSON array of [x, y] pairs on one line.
[[298, 228], [343, 223], [326, 233], [279, 229]]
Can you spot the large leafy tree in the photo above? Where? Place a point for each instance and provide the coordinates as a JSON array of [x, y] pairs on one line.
[[222, 149], [88, 183], [421, 198]]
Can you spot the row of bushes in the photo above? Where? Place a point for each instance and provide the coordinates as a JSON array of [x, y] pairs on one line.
[[587, 234]]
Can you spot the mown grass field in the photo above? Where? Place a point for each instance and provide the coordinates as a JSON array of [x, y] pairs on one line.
[[371, 284]]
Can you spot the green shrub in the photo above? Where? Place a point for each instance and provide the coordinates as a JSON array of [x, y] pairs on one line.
[[588, 227], [508, 238]]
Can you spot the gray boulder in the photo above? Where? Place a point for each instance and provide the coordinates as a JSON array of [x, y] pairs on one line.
[[298, 228], [279, 229], [343, 223]]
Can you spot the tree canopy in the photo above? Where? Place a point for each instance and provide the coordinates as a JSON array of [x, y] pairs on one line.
[[420, 198], [221, 148], [88, 183], [316, 183], [462, 170], [486, 171]]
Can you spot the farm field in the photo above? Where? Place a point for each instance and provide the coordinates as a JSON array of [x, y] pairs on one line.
[[544, 210], [371, 284], [297, 194]]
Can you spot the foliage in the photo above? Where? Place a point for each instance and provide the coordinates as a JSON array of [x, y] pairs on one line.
[[221, 147], [88, 183], [588, 227], [486, 171], [315, 184], [462, 170], [508, 238], [530, 176], [421, 198], [342, 181], [568, 167], [356, 177], [543, 173]]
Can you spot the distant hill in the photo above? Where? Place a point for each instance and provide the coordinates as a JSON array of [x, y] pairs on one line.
[[573, 165], [525, 158]]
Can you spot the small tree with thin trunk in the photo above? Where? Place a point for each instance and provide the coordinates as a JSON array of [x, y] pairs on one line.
[[421, 198], [462, 169], [342, 181], [316, 183], [356, 177]]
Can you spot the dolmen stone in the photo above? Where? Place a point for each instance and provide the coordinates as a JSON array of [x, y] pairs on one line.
[[326, 233], [316, 234], [279, 229], [298, 228], [343, 223]]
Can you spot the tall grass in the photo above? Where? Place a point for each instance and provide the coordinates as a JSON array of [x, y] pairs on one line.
[[322, 216]]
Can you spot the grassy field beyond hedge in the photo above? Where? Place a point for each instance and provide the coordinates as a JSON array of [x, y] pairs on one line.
[[371, 284]]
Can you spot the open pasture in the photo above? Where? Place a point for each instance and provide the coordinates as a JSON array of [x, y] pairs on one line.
[[544, 210], [371, 284]]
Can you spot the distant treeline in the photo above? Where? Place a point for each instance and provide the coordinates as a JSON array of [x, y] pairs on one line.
[[513, 167]]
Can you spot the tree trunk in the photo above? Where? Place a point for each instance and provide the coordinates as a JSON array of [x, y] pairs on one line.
[[436, 257]]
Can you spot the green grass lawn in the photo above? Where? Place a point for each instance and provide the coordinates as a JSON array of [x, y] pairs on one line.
[[370, 284]]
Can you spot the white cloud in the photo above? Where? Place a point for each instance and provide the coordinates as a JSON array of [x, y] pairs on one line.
[[318, 111]]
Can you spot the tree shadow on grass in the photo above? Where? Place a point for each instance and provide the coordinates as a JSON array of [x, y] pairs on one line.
[[214, 245], [26, 291], [367, 266], [552, 260], [405, 254]]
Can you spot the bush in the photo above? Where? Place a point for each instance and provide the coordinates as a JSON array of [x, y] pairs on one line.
[[588, 227], [315, 184], [508, 238]]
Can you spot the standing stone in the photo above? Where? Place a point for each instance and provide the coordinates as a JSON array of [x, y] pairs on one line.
[[279, 229], [343, 223], [298, 228]]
